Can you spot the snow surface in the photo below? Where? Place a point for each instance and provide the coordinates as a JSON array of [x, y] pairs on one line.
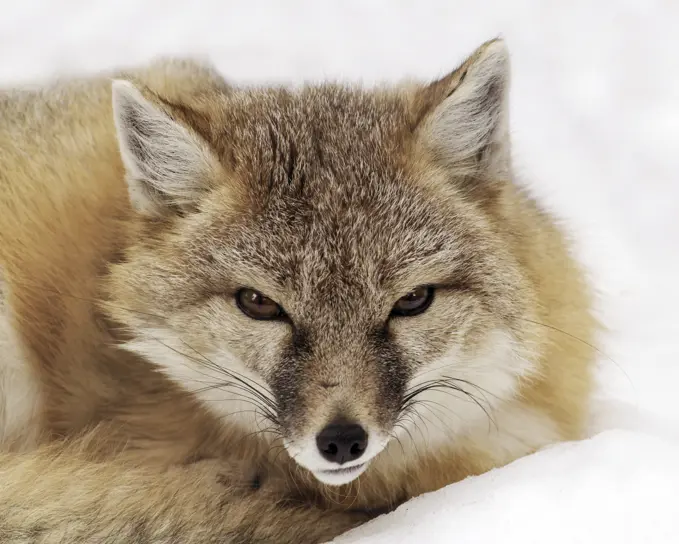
[[595, 115], [584, 492]]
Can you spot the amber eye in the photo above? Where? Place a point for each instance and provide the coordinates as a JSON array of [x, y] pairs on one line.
[[257, 306], [414, 303]]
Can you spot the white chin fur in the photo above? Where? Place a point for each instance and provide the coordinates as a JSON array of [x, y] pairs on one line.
[[306, 454]]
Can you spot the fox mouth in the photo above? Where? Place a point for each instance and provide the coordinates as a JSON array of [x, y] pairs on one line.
[[337, 471], [340, 476], [348, 471]]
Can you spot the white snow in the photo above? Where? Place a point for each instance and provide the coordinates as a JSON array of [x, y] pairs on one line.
[[620, 486], [595, 114]]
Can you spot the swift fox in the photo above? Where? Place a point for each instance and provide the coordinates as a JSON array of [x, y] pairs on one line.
[[343, 291]]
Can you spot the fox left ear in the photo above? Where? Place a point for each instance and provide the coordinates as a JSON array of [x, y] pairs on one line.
[[462, 119], [168, 165]]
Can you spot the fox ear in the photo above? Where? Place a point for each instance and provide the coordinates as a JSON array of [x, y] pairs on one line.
[[168, 166], [463, 117]]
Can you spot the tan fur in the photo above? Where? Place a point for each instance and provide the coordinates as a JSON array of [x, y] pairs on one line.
[[19, 428], [413, 192], [57, 494]]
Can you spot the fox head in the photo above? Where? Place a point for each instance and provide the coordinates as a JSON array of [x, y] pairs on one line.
[[328, 263]]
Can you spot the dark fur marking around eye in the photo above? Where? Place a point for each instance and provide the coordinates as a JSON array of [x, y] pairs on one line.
[[286, 380], [459, 284], [393, 369], [300, 343]]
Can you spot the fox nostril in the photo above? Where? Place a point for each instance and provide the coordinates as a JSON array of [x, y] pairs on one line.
[[357, 449], [342, 442]]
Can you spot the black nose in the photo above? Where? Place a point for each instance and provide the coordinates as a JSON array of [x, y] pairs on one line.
[[342, 442]]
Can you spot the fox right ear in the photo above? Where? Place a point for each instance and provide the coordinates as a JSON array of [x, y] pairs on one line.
[[462, 118], [168, 166]]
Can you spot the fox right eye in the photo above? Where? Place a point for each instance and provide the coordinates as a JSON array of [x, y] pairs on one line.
[[257, 306], [414, 303]]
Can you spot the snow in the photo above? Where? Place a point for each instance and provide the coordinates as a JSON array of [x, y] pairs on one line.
[[620, 486], [595, 115]]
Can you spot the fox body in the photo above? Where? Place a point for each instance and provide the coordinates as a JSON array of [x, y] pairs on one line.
[[344, 288]]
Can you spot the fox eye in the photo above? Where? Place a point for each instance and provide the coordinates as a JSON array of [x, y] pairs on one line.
[[414, 303], [257, 306]]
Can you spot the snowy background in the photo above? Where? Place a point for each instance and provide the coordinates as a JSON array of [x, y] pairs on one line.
[[595, 113]]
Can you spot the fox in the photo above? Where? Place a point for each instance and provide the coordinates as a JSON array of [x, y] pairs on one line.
[[269, 314]]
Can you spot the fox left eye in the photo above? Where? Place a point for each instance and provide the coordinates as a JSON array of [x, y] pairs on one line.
[[414, 303], [257, 306]]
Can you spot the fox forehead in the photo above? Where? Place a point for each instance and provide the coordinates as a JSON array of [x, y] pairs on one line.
[[385, 238], [326, 192], [322, 123]]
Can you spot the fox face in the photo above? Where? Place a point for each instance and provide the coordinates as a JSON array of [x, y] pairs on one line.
[[328, 264]]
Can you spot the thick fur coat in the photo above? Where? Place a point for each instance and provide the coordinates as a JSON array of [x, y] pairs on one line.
[[414, 291]]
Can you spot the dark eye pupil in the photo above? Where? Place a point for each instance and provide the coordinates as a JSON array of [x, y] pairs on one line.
[[415, 302], [257, 306]]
